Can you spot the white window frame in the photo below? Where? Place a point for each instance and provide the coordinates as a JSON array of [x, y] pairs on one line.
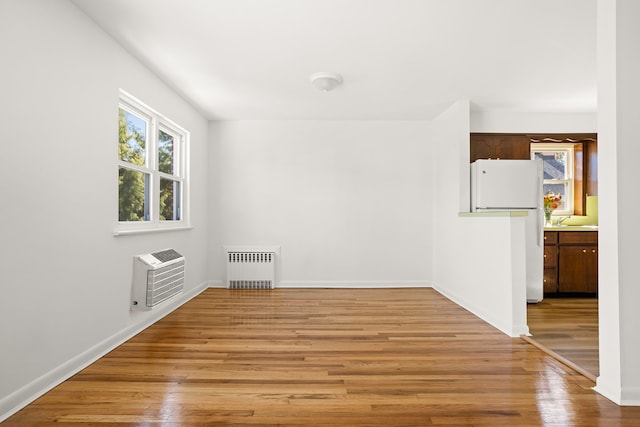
[[181, 136], [569, 180]]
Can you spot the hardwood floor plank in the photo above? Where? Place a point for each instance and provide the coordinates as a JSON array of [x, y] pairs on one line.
[[325, 357], [568, 327]]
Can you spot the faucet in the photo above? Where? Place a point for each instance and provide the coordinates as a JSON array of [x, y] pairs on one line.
[[561, 220]]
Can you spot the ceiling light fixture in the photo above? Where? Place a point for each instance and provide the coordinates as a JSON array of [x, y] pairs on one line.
[[326, 81]]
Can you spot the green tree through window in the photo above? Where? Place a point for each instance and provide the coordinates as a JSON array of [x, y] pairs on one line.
[[132, 183]]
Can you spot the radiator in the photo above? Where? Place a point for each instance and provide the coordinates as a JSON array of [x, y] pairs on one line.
[[251, 270], [157, 277]]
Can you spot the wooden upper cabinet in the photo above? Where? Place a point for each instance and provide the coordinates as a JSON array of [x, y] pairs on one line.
[[499, 146]]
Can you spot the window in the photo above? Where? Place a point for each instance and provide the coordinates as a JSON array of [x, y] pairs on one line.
[[558, 172], [152, 176]]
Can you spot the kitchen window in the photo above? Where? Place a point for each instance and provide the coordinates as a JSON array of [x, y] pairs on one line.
[[152, 175], [558, 172]]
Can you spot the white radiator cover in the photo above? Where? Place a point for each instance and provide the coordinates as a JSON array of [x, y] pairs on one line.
[[250, 268], [157, 277]]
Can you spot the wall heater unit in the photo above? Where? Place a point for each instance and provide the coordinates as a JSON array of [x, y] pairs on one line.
[[251, 270], [156, 277]]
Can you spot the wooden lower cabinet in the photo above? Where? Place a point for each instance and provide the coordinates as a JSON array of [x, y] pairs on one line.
[[578, 266], [550, 269], [571, 262], [550, 277]]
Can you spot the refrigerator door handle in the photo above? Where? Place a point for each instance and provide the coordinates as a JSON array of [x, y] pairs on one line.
[[540, 226]]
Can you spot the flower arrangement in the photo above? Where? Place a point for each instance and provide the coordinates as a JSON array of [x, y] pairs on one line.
[[551, 202]]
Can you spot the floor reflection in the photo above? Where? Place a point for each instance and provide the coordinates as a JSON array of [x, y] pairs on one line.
[[554, 403]]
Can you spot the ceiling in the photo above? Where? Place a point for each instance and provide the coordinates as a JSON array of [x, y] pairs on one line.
[[400, 59]]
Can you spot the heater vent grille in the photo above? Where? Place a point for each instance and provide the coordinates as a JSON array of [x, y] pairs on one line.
[[251, 270], [167, 255]]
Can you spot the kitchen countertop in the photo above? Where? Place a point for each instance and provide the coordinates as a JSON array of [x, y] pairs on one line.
[[572, 228], [525, 213]]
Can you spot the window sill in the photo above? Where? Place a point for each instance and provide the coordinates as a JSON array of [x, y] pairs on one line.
[[117, 233]]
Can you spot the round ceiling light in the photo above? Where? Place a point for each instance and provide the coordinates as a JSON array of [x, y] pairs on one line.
[[326, 81]]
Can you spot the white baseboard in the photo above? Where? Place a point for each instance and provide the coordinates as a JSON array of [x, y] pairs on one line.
[[625, 396], [27, 394], [341, 284], [513, 331], [355, 284]]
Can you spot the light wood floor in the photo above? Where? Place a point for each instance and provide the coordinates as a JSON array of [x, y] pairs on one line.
[[569, 327], [325, 357]]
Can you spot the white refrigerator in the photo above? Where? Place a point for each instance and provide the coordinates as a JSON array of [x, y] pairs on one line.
[[515, 185]]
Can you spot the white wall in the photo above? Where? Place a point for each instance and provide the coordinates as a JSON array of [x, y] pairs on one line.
[[618, 152], [352, 203], [65, 278], [349, 202], [479, 262], [533, 122]]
